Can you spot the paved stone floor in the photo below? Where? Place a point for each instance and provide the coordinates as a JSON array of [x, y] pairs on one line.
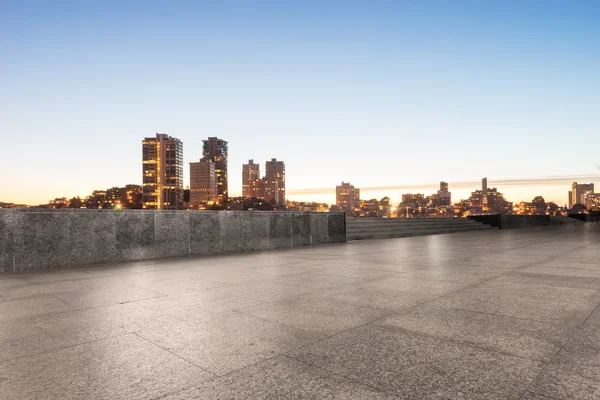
[[476, 315]]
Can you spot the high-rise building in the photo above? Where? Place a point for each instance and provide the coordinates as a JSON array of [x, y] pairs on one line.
[[250, 179], [216, 150], [162, 173], [347, 197], [275, 182], [580, 191], [570, 199], [444, 196], [484, 193], [203, 182]]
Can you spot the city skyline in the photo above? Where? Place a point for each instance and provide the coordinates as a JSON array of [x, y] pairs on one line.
[[429, 91]]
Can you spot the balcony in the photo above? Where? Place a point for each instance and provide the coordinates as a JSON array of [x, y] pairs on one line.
[[488, 314]]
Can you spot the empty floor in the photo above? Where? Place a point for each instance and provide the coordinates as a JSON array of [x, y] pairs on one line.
[[485, 314]]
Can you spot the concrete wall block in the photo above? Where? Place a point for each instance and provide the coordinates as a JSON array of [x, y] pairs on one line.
[[92, 237], [319, 228], [134, 233], [171, 234], [336, 227], [7, 248], [205, 236], [244, 231], [301, 229], [280, 230], [41, 240]]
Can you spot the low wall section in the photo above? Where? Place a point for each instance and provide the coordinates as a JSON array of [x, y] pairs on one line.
[[37, 239], [512, 221]]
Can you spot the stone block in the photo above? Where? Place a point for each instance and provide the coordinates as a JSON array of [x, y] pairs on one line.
[[280, 226], [336, 227], [7, 250], [244, 231], [92, 237], [205, 237], [41, 240], [319, 228], [134, 233], [171, 234], [301, 229]]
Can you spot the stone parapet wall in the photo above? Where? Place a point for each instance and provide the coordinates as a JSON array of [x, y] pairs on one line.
[[32, 239]]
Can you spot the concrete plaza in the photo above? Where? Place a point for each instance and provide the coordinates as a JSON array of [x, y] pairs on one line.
[[475, 315]]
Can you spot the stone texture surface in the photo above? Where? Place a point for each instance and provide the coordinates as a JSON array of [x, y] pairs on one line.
[[495, 314], [38, 239], [125, 367]]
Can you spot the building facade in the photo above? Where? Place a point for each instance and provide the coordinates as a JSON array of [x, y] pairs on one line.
[[580, 191], [592, 202], [250, 179], [444, 197], [203, 183], [216, 150], [347, 198], [162, 173], [275, 182]]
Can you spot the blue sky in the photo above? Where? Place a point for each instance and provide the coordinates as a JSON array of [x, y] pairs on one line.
[[377, 93]]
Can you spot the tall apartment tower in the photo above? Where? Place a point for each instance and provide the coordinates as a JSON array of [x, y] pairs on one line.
[[215, 149], [570, 199], [203, 182], [162, 173], [275, 181], [347, 197], [484, 197], [250, 179], [580, 192]]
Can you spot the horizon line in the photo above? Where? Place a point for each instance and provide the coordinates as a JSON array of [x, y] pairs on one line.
[[556, 179]]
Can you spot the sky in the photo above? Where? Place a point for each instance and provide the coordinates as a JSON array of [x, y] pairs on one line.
[[394, 94]]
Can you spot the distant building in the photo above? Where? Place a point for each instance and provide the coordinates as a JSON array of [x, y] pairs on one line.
[[592, 201], [369, 208], [410, 197], [580, 191], [444, 197], [203, 183], [306, 206], [570, 199], [250, 179], [216, 150], [487, 201], [275, 182], [162, 173], [347, 198]]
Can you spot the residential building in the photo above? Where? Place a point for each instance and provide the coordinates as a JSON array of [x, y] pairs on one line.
[[592, 201], [250, 179], [203, 183], [275, 182], [444, 197], [216, 150], [580, 191], [347, 198], [570, 198], [162, 173]]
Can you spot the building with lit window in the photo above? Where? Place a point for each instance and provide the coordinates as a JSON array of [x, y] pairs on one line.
[[162, 173], [275, 182], [592, 202], [579, 192], [250, 179], [444, 197], [203, 183], [487, 201], [347, 198], [216, 150]]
